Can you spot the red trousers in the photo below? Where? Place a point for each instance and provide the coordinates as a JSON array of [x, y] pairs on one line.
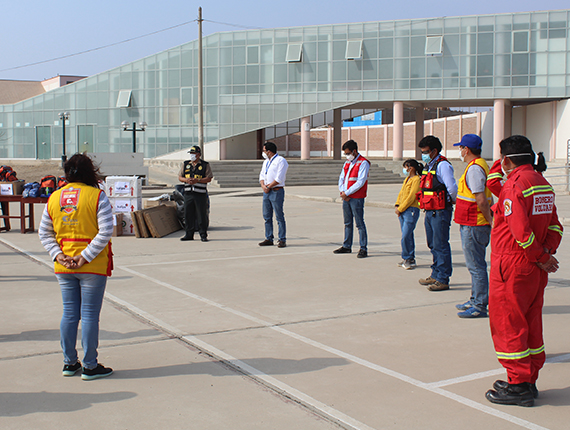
[[516, 297]]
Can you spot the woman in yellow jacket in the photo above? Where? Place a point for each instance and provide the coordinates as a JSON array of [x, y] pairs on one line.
[[76, 227], [408, 211]]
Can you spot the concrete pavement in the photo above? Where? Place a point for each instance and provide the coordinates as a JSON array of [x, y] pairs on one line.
[[226, 334]]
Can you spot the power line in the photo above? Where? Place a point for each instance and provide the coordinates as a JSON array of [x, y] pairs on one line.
[[233, 25], [99, 48]]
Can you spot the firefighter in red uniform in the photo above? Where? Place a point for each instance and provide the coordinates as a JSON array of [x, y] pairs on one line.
[[525, 235]]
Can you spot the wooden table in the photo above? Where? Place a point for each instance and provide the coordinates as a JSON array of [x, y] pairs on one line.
[[23, 216]]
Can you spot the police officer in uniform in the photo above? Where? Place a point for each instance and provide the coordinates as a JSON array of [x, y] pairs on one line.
[[195, 174]]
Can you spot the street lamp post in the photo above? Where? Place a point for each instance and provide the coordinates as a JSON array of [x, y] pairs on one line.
[[142, 125], [64, 116]]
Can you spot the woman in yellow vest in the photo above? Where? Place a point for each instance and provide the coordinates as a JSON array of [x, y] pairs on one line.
[[408, 211], [76, 229]]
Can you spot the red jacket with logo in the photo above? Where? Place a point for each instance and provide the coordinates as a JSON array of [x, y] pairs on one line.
[[525, 217]]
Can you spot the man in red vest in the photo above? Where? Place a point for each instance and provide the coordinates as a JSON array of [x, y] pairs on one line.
[[352, 184], [473, 214]]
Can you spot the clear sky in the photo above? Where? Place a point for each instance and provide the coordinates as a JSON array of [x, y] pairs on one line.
[[38, 30]]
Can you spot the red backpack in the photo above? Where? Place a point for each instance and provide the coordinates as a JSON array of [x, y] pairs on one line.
[[61, 182], [48, 185], [7, 174]]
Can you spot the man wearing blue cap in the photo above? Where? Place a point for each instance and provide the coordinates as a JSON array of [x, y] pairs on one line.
[[473, 214]]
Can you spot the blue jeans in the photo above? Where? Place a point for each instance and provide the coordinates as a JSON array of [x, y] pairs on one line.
[[474, 240], [82, 295], [273, 202], [354, 209], [408, 220], [437, 224]]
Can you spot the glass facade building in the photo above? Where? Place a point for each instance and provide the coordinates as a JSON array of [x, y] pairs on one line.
[[256, 79]]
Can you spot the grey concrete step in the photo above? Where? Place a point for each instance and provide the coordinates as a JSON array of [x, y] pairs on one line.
[[245, 173]]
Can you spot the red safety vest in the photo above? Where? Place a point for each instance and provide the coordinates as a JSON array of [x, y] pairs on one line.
[[353, 177], [433, 194]]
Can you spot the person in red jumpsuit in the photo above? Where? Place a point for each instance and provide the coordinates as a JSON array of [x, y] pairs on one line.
[[525, 235]]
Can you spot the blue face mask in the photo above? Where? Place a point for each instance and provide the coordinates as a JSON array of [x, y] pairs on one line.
[[426, 158], [405, 171]]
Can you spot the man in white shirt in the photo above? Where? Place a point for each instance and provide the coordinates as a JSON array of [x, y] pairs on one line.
[[353, 185], [272, 180]]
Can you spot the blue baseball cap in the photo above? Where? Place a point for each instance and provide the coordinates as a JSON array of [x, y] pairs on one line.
[[470, 141]]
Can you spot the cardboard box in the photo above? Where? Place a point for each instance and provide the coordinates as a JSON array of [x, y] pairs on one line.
[[123, 186], [125, 204], [139, 223], [161, 220], [128, 228], [117, 225], [11, 188], [154, 203]]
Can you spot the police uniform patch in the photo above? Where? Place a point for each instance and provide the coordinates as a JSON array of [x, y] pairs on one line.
[[508, 206], [199, 167]]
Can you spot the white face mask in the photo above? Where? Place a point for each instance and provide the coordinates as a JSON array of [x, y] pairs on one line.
[[349, 157], [461, 157], [264, 155], [192, 157], [505, 172]]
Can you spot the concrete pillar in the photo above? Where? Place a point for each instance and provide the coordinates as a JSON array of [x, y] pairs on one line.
[[286, 145], [420, 118], [385, 129], [260, 141], [444, 143], [337, 134], [223, 149], [478, 126], [498, 126], [305, 138], [398, 144], [329, 140], [366, 138]]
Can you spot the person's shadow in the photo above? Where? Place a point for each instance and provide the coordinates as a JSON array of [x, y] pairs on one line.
[[268, 366], [19, 404]]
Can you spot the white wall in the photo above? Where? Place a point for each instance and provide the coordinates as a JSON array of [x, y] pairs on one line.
[[563, 129], [487, 134], [539, 127], [242, 147]]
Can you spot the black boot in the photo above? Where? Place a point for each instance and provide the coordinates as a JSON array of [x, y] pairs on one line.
[[512, 394], [498, 385]]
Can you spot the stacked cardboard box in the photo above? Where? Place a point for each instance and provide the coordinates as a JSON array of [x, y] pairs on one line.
[[156, 221], [125, 195]]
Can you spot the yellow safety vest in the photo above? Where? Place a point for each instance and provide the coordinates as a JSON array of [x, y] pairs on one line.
[[466, 210], [73, 210]]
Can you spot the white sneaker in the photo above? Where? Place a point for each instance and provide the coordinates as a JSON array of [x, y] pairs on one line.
[[409, 264], [401, 263]]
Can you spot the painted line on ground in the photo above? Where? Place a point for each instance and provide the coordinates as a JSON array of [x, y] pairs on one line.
[[205, 260], [324, 411], [404, 378], [319, 408]]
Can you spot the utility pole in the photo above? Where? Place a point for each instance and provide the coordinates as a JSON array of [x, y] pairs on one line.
[[200, 85]]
